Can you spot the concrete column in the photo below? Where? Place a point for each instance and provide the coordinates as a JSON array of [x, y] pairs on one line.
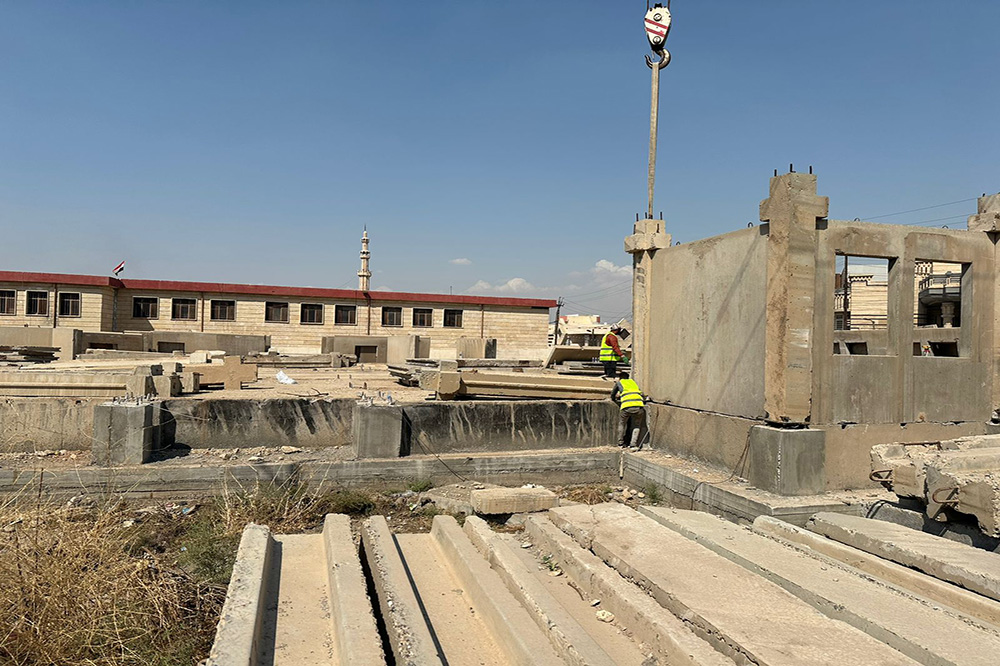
[[643, 245], [124, 433], [947, 314], [791, 212]]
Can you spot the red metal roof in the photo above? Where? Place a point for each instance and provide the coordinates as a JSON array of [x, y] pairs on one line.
[[266, 290]]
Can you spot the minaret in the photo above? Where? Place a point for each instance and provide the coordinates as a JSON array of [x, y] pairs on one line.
[[364, 275]]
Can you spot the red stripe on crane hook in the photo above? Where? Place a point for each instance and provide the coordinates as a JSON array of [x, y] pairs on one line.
[[658, 25]]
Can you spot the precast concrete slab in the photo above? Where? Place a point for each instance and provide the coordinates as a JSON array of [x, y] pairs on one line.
[[564, 632], [670, 638], [403, 615], [521, 640], [931, 635], [494, 501], [963, 601], [297, 626], [741, 614], [237, 639], [973, 569], [355, 634]]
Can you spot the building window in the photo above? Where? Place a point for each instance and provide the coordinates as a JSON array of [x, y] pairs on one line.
[[276, 312], [8, 303], [183, 308], [311, 313], [223, 311], [423, 317], [345, 315], [392, 316], [38, 304], [69, 305], [145, 308], [453, 319]]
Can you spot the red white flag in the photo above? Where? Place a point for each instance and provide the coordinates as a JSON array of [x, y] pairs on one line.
[[119, 268]]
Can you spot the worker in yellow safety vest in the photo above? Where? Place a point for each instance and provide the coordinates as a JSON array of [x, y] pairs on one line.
[[632, 413], [611, 352]]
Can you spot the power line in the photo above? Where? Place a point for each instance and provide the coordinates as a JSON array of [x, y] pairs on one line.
[[917, 210]]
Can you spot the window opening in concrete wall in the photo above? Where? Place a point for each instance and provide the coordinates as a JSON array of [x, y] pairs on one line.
[[145, 308], [861, 293], [392, 316], [223, 311], [38, 304], [170, 347], [311, 313], [8, 301], [276, 312], [453, 319], [423, 317], [937, 293], [69, 305], [183, 308], [345, 315]]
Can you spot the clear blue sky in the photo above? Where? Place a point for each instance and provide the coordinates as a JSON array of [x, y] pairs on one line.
[[251, 141]]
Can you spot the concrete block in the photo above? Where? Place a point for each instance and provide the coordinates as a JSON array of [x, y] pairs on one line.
[[515, 632], [942, 558], [190, 382], [892, 616], [377, 431], [167, 386], [354, 629], [198, 357], [492, 501], [139, 385], [466, 348], [721, 601], [172, 367], [447, 365], [238, 634], [123, 434], [788, 461]]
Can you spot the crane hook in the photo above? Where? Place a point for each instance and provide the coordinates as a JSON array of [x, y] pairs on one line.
[[662, 62]]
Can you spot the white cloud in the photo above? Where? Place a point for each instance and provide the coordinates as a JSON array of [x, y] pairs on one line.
[[605, 270], [512, 286], [461, 261]]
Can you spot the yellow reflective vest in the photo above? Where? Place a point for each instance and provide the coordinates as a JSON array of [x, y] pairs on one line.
[[607, 351], [630, 396]]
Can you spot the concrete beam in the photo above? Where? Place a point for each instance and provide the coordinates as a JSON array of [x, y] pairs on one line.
[[354, 629], [886, 613], [957, 563], [720, 600], [563, 631], [510, 624], [237, 637], [493, 501], [409, 634]]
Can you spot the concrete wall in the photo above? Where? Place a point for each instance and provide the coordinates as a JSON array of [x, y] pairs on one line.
[[452, 427], [235, 345], [706, 329], [38, 424], [248, 423]]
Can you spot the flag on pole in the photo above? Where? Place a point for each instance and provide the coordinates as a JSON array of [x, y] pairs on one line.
[[119, 268]]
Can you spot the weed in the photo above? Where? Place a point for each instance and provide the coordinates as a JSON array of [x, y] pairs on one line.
[[421, 485], [653, 493]]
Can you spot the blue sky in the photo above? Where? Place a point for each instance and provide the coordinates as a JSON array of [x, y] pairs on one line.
[[490, 147]]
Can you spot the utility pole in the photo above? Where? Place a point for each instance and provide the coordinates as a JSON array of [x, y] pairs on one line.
[[657, 24], [555, 337]]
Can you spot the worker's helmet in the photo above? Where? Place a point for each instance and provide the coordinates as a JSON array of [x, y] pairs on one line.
[[657, 26]]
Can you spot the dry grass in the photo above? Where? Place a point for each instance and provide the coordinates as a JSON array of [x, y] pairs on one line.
[[586, 494], [75, 590]]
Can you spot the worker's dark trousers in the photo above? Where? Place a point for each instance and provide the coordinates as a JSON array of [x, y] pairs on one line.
[[610, 367], [631, 426]]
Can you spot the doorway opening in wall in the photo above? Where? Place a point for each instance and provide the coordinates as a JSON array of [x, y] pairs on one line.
[[861, 293]]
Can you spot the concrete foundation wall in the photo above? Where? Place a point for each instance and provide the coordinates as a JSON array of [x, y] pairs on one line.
[[707, 324], [247, 423], [717, 439], [234, 345], [452, 427], [39, 424]]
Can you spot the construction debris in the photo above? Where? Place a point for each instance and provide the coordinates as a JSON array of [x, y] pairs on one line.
[[16, 356]]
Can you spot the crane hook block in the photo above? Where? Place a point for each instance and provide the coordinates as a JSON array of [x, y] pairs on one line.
[[657, 26]]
